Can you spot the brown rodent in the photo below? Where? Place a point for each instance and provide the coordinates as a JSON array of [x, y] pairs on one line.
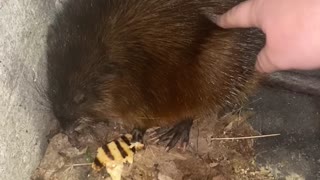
[[147, 63]]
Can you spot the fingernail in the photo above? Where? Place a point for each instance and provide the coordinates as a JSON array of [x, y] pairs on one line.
[[258, 67], [214, 18], [261, 71]]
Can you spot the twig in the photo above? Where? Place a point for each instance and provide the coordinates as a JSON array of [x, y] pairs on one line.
[[198, 135], [79, 165], [248, 137]]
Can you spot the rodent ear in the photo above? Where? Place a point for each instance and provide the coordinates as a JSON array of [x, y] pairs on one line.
[[79, 98]]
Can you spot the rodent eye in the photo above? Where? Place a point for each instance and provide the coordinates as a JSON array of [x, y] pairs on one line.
[[79, 98]]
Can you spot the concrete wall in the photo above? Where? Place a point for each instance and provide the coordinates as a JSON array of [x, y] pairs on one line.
[[24, 122]]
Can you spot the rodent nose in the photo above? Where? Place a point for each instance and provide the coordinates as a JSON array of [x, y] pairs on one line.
[[65, 115], [66, 124]]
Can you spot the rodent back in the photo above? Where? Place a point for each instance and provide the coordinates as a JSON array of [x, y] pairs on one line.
[[135, 59]]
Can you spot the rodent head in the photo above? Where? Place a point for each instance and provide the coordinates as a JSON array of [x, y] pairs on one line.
[[69, 107], [81, 93], [78, 76]]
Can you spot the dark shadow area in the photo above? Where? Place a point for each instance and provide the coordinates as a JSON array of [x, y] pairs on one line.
[[296, 117]]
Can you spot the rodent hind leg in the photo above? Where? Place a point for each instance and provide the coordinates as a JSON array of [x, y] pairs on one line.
[[180, 131]]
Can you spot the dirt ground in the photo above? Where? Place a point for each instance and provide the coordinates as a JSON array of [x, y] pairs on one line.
[[206, 158]]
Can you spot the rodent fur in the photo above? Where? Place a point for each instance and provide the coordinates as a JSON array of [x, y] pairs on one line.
[[147, 63]]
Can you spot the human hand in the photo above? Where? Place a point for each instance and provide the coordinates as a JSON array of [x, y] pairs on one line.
[[292, 29]]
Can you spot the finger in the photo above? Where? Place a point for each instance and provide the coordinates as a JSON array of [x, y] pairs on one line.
[[264, 63], [240, 16]]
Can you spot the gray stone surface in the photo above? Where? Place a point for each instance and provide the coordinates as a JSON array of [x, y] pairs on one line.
[[296, 117], [24, 122]]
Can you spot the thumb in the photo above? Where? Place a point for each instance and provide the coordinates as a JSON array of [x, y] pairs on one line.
[[264, 63], [241, 16]]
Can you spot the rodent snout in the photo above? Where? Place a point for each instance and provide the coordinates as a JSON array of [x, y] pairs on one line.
[[66, 115]]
